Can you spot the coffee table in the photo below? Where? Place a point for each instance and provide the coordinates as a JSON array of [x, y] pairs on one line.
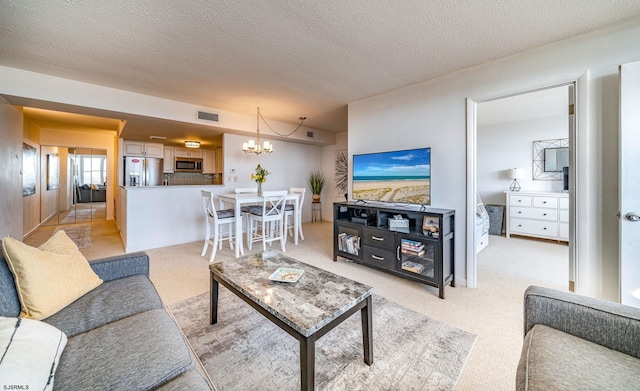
[[306, 309]]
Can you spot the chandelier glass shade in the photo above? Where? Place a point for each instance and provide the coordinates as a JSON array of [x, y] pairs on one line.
[[254, 146]]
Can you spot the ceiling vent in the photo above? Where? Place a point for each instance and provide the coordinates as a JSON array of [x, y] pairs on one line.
[[207, 116], [309, 134]]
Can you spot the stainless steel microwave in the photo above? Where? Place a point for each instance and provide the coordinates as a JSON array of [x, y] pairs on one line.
[[186, 164]]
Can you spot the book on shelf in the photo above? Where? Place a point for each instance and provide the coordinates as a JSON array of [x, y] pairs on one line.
[[414, 243], [413, 252], [413, 248], [349, 243], [413, 267]]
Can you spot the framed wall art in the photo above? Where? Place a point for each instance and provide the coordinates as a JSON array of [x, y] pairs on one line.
[[29, 167]]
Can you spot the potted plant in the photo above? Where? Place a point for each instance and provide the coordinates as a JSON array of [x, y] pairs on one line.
[[316, 183]]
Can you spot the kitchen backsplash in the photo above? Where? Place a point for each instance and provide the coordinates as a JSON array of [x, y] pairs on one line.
[[193, 178]]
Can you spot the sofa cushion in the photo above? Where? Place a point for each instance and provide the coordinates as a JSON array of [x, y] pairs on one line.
[[188, 381], [50, 277], [9, 302], [30, 351], [140, 352], [111, 301], [554, 360]]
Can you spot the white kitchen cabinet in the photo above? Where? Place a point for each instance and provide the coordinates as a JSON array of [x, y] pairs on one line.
[[168, 160], [219, 166], [208, 161], [187, 152], [137, 148], [538, 214]]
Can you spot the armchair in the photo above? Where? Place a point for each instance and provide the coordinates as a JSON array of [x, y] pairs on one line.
[[574, 342]]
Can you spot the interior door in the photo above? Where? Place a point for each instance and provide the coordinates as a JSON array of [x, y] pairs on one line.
[[629, 177]]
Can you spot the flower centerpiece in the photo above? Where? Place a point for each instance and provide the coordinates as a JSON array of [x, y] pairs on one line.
[[260, 177]]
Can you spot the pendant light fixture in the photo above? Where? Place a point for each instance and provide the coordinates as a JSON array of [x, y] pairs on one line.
[[254, 146]]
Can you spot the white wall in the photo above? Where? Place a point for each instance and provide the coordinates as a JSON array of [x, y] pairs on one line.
[[510, 145], [433, 114], [329, 193], [289, 164], [10, 170]]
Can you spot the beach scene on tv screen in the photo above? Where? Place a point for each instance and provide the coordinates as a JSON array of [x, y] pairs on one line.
[[397, 176]]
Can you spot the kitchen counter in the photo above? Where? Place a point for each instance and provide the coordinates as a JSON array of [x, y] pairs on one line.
[[158, 216]]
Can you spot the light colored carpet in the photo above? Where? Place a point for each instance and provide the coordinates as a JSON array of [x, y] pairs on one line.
[[493, 311], [79, 233], [245, 351]]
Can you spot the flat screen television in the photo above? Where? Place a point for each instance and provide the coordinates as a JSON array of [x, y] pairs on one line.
[[394, 176]]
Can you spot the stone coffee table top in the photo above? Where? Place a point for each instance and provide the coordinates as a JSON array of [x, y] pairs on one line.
[[307, 305]]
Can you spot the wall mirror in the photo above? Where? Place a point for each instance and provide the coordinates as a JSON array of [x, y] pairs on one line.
[[73, 186], [549, 157], [555, 159]]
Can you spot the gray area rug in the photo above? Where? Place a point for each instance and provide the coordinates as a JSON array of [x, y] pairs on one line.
[[245, 351], [79, 233]]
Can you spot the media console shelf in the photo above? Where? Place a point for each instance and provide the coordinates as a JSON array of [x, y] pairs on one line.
[[418, 246]]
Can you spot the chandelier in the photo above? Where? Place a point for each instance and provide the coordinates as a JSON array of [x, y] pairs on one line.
[[254, 146]]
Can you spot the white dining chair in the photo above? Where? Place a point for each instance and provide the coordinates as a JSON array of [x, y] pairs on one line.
[[268, 219], [245, 208], [216, 219], [291, 221]]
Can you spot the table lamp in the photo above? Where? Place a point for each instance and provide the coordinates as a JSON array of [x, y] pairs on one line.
[[514, 174]]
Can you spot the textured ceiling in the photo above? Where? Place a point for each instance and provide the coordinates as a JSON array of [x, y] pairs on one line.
[[290, 58]]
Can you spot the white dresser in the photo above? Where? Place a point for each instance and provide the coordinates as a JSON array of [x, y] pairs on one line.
[[538, 214]]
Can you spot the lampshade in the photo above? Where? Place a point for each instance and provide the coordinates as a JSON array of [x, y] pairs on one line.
[[516, 173]]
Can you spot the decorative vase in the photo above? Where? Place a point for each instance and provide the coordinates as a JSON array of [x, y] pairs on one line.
[[316, 198], [259, 189]]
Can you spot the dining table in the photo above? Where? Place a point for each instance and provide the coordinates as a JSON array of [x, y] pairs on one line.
[[247, 199]]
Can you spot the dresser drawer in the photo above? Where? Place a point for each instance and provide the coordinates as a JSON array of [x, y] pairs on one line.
[[534, 227], [378, 238], [381, 258], [564, 203], [533, 213], [564, 231], [564, 216], [518, 200], [545, 202]]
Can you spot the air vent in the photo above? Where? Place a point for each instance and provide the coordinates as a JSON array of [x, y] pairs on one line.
[[207, 116], [157, 137], [309, 134]]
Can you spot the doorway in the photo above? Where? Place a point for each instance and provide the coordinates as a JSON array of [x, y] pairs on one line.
[[73, 186], [501, 166]]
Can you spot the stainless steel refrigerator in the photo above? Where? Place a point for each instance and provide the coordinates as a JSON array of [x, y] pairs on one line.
[[142, 171]]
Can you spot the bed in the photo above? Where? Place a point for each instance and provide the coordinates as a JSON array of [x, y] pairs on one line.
[[482, 225]]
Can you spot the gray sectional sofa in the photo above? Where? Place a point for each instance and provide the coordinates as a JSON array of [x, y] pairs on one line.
[[120, 336], [575, 342], [86, 194]]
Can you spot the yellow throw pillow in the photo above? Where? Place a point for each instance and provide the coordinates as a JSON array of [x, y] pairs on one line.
[[94, 187], [50, 277]]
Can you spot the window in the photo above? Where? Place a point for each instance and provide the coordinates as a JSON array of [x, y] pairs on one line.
[[93, 169]]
